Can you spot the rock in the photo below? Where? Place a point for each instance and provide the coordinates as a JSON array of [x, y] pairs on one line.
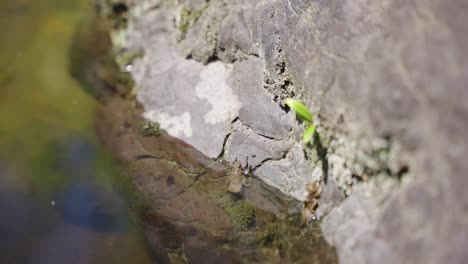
[[251, 149], [235, 37], [287, 174], [185, 208], [183, 96], [385, 81], [258, 111], [200, 39], [331, 197], [360, 210], [198, 103]]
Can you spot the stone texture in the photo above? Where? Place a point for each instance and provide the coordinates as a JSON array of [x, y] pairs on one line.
[[190, 101], [198, 102], [200, 41], [251, 149], [258, 110], [288, 174], [360, 210], [386, 81]]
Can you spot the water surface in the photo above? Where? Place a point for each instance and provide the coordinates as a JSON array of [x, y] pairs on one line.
[[60, 201]]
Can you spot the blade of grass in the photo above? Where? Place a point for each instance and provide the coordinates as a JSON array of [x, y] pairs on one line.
[[308, 134], [300, 109]]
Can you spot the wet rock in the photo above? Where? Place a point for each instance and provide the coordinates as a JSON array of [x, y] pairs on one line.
[[385, 71], [198, 103], [186, 209]]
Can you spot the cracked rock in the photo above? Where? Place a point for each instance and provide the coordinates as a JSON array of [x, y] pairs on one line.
[[251, 149], [289, 174]]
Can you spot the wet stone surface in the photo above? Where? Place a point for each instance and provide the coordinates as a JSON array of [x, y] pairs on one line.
[[188, 209], [385, 79]]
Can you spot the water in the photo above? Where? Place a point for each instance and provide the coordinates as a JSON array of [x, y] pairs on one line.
[[60, 199]]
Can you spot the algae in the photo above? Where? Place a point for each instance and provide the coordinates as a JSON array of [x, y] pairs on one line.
[[177, 256], [125, 58], [273, 235], [187, 19], [150, 128], [242, 213]]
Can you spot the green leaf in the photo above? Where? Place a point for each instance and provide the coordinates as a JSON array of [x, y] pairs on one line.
[[300, 109], [308, 134]]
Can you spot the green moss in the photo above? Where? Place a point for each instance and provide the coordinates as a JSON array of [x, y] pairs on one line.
[[188, 17], [150, 128], [127, 57], [127, 85], [119, 39], [273, 235], [242, 214], [177, 256]]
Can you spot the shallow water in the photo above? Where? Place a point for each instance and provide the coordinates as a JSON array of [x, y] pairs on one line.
[[60, 196]]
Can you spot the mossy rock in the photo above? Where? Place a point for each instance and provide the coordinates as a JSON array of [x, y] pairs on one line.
[[273, 235], [126, 57], [177, 256], [242, 213], [188, 17], [150, 128]]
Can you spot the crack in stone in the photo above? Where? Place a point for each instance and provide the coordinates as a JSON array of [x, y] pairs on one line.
[[285, 154]]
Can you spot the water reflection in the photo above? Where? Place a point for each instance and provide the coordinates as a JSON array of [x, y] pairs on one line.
[[85, 221], [85, 202], [58, 197], [90, 206]]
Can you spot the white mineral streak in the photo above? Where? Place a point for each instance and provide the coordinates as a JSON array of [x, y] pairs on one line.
[[176, 126], [213, 87]]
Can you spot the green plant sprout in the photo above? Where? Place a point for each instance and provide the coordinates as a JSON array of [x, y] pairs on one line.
[[304, 114]]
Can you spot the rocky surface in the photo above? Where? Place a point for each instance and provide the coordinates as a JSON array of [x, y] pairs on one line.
[[385, 80], [187, 213], [220, 109]]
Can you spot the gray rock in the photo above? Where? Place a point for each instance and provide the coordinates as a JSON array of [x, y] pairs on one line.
[[386, 81], [186, 98], [200, 40], [258, 110], [236, 37], [289, 175], [360, 210], [189, 100], [330, 198], [396, 67], [251, 149]]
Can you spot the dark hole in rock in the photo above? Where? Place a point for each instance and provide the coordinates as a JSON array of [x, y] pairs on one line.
[[340, 119], [285, 108], [403, 170], [212, 58], [119, 8], [170, 180]]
